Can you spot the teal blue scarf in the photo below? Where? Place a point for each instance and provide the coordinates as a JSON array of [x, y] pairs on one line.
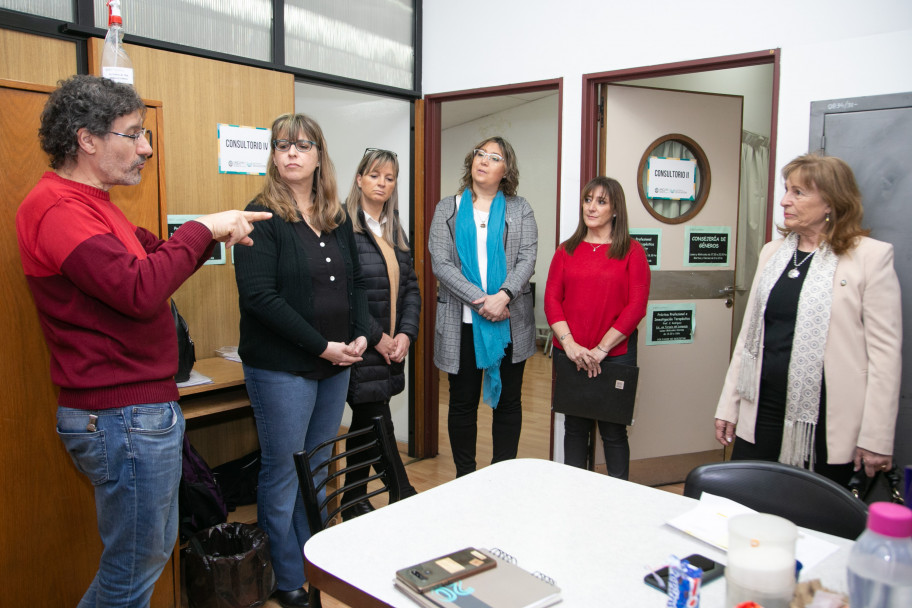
[[490, 338]]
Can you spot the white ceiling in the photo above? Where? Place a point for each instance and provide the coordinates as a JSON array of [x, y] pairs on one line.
[[455, 113]]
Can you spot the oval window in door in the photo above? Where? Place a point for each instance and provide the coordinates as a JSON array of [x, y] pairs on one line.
[[673, 178]]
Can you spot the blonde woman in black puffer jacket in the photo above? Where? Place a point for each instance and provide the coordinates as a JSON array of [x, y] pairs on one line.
[[394, 303]]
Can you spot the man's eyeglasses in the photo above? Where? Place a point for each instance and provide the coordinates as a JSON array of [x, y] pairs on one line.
[[491, 156], [135, 136], [369, 150], [302, 145]]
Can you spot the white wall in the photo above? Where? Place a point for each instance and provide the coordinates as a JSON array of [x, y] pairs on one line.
[[531, 129], [829, 49], [352, 122]]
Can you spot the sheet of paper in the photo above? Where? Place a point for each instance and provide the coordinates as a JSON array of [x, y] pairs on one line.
[[810, 550], [228, 352], [708, 522], [195, 379]]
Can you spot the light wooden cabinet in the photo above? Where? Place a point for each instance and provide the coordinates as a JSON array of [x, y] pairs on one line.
[[220, 422]]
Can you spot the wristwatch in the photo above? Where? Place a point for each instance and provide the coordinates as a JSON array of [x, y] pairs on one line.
[[508, 292]]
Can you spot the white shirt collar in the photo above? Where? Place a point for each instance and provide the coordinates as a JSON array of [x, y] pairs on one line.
[[375, 226]]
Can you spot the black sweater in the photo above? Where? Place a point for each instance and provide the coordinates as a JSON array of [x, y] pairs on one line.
[[373, 380], [276, 298]]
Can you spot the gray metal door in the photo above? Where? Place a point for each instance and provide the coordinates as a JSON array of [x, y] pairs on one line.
[[872, 134]]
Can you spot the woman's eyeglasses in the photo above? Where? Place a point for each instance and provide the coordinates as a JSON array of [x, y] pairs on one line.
[[369, 150], [491, 156], [302, 145]]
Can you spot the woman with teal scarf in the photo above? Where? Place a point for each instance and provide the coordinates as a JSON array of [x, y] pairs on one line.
[[483, 244]]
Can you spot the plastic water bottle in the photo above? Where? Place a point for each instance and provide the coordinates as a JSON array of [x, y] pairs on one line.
[[115, 64], [880, 564]]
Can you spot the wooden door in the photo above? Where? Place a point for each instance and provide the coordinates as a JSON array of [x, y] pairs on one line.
[[48, 527]]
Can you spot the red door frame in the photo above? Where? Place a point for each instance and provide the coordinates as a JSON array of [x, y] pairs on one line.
[[591, 82], [430, 398]]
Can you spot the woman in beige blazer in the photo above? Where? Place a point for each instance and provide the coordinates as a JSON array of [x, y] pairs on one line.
[[815, 374]]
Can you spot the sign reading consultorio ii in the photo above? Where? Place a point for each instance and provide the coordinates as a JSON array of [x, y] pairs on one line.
[[671, 178]]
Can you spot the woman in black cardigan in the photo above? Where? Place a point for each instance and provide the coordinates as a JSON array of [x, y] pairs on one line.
[[304, 322], [394, 302]]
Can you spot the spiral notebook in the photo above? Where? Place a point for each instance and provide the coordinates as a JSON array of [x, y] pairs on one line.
[[505, 586]]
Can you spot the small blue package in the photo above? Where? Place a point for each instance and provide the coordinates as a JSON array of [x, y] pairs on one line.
[[683, 584]]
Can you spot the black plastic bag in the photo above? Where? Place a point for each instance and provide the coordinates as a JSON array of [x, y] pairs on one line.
[[229, 566], [238, 479]]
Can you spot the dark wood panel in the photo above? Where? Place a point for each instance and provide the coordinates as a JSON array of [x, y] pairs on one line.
[[45, 494]]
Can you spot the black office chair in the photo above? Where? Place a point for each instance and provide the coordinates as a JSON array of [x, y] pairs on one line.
[[803, 497], [320, 513]]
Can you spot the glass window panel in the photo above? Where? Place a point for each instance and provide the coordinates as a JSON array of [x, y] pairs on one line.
[[55, 9], [235, 27], [370, 40]]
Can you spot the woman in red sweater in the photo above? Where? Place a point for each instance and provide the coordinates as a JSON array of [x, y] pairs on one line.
[[596, 294]]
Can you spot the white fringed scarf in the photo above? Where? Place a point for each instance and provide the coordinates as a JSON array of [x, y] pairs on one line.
[[805, 371]]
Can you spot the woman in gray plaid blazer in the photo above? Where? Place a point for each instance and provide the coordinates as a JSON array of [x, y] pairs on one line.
[[483, 244]]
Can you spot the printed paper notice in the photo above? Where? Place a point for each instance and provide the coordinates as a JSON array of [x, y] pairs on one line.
[[671, 178], [670, 323], [243, 150], [707, 246]]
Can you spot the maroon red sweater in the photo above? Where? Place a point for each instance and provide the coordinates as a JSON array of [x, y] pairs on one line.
[[101, 286]]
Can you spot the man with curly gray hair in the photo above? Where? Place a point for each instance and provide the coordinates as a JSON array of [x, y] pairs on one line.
[[101, 286]]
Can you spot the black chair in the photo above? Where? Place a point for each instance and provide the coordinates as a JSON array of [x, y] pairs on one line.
[[321, 513], [803, 497]]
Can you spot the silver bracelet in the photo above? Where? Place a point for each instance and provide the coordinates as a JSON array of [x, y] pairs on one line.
[[599, 346], [564, 336]]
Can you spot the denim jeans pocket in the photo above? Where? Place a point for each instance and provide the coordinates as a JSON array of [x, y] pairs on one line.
[[154, 419], [87, 448], [156, 433]]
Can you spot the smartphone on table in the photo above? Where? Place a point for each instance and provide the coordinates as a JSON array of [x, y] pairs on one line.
[[445, 569], [711, 571]]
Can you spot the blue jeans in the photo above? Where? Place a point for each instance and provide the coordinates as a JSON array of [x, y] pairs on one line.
[[133, 458], [292, 414]]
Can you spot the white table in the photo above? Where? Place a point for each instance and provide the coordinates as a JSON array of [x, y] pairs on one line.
[[594, 535]]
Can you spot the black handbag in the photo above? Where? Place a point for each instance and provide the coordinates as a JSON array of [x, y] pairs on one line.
[[883, 487], [610, 396], [186, 351]]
